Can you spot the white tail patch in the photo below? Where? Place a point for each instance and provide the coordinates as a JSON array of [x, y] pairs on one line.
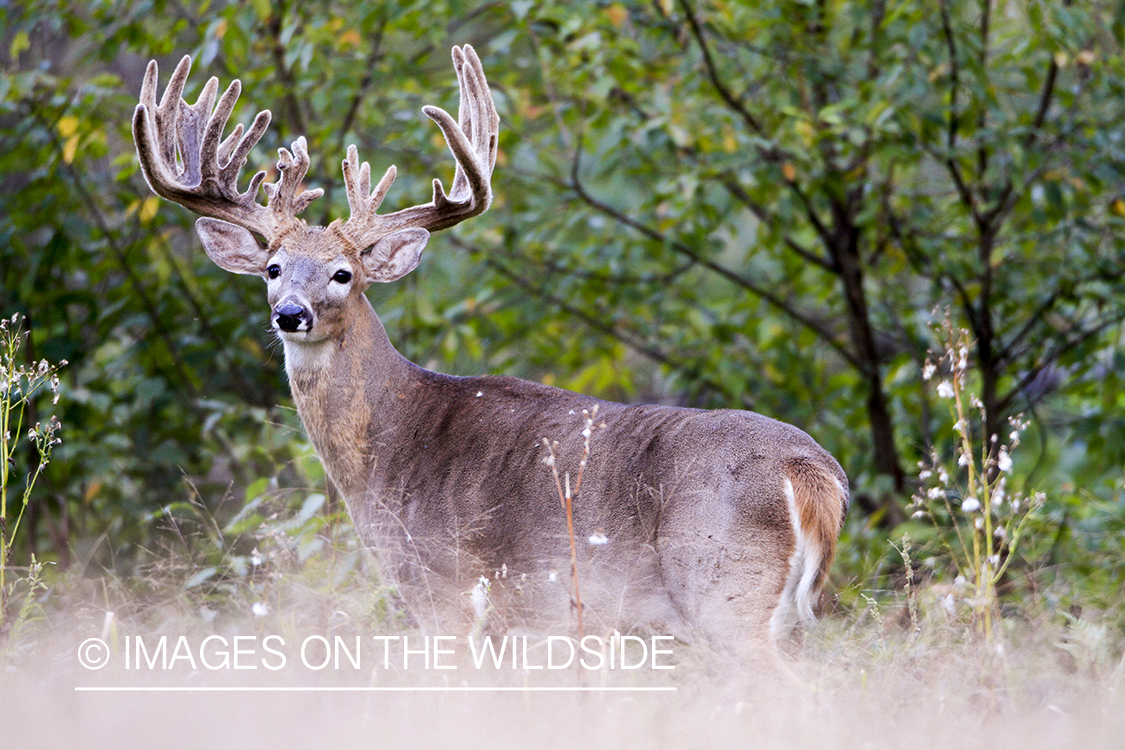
[[804, 572], [816, 510]]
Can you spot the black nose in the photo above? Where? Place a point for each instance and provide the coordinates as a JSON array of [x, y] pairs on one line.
[[289, 316]]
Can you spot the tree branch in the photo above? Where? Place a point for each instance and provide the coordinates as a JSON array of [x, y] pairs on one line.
[[949, 158], [764, 216], [740, 281], [1053, 356], [734, 102], [772, 155], [376, 54], [598, 324], [183, 375]]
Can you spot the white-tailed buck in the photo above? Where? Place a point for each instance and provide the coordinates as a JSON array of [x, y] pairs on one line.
[[689, 522]]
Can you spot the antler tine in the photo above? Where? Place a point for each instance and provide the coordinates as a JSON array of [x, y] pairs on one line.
[[475, 110], [472, 139], [283, 200], [237, 158], [204, 179], [361, 200], [228, 144], [154, 117], [216, 123], [193, 133]]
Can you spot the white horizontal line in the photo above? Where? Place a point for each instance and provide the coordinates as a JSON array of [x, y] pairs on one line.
[[346, 689]]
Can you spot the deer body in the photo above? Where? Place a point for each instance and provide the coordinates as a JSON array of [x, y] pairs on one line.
[[688, 522]]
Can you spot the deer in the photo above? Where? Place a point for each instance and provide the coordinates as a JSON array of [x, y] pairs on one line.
[[714, 526]]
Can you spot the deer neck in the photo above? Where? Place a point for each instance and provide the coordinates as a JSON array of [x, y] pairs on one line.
[[339, 384]]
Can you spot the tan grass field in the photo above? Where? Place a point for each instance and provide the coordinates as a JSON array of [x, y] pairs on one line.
[[872, 679]]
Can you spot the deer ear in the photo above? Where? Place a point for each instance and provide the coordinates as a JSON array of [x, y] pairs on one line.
[[232, 248], [395, 255]]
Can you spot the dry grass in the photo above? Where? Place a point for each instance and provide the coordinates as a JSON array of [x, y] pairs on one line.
[[874, 678]]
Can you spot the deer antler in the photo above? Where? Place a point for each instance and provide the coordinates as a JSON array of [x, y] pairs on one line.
[[204, 179], [472, 139]]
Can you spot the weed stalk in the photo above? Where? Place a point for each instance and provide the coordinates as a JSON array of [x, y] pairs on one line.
[[989, 521], [18, 387], [566, 498]]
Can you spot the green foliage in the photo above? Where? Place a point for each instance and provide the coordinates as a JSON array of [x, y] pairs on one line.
[[791, 193], [713, 202]]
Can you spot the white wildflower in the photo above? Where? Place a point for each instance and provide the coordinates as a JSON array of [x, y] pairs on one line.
[[929, 370], [945, 389], [1004, 461], [970, 505]]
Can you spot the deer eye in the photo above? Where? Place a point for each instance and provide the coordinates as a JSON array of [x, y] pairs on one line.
[[273, 271], [342, 277]]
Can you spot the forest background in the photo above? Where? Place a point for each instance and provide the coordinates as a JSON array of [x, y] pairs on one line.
[[773, 206]]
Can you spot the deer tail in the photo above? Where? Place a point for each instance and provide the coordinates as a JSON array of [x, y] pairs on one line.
[[818, 503]]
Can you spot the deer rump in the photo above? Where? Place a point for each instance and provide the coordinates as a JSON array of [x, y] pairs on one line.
[[688, 523]]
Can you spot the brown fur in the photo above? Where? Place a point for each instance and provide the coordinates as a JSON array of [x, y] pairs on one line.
[[444, 476], [822, 507]]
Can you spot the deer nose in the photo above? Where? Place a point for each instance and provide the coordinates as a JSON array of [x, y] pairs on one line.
[[289, 316]]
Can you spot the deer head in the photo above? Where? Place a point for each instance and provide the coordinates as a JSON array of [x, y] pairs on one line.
[[312, 272]]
